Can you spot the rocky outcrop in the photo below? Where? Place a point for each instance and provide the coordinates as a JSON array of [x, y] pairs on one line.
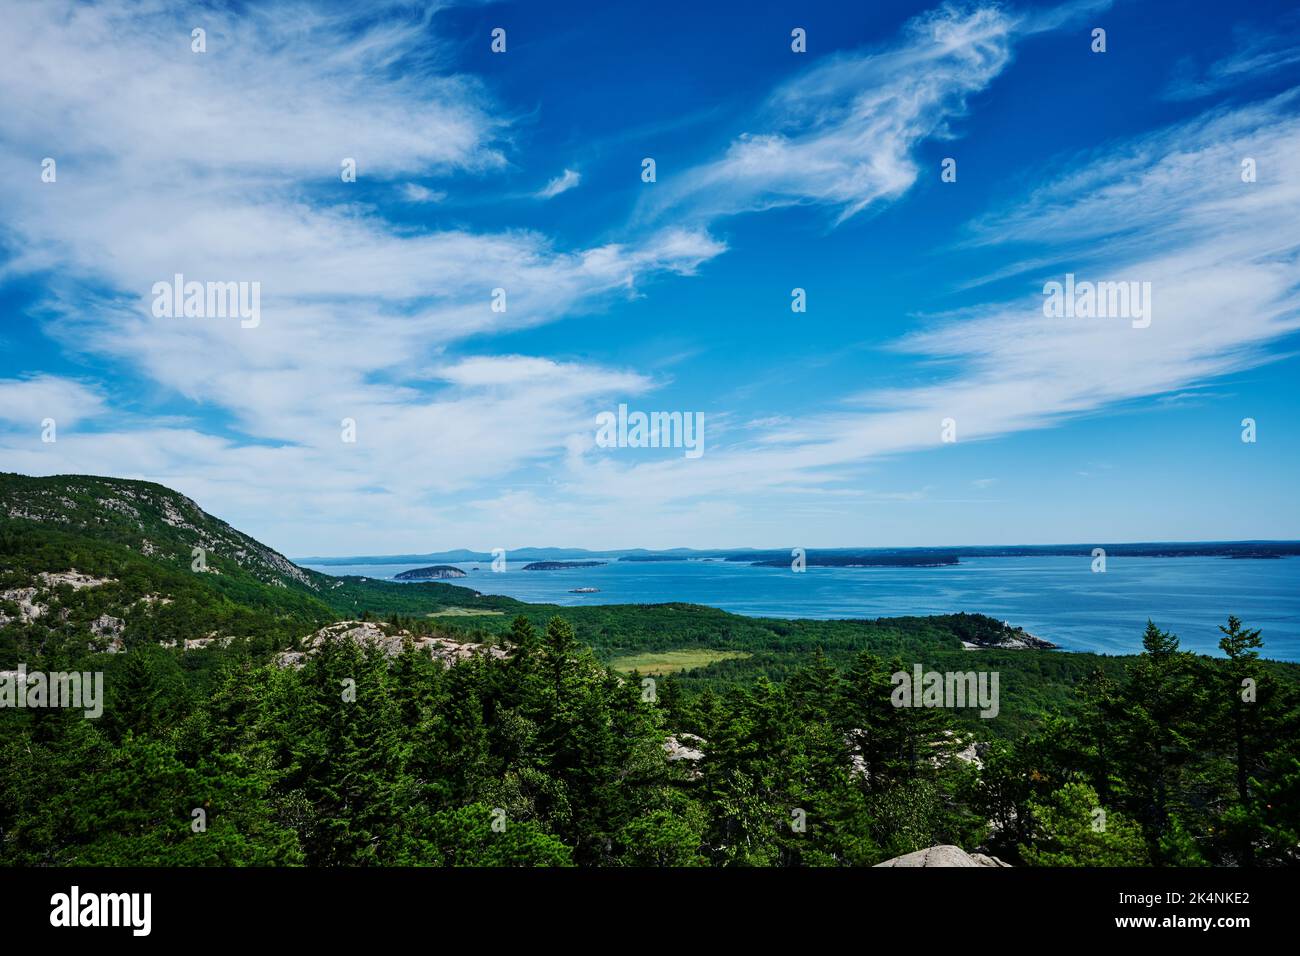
[[200, 643], [684, 747], [107, 633], [74, 579], [1011, 638], [688, 749], [29, 608], [390, 640], [944, 855], [954, 744]]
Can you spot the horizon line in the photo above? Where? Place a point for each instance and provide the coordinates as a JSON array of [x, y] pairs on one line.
[[863, 548]]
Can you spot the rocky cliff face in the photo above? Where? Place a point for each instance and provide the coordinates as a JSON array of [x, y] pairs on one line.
[[148, 518], [105, 564]]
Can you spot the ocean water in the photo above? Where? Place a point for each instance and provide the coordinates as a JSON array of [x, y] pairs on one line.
[[1055, 597]]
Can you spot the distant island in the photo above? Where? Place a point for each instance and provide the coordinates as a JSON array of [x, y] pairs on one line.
[[1149, 549], [584, 590], [430, 574], [859, 561], [770, 699], [561, 565]]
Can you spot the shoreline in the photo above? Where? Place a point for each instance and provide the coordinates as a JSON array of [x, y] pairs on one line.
[[1055, 599]]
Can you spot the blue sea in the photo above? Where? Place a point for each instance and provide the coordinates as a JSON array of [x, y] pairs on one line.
[[1054, 597]]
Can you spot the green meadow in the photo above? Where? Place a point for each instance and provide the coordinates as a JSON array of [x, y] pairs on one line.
[[670, 662]]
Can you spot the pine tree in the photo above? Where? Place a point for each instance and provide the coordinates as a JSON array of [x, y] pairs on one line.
[[1241, 645], [1071, 828], [1162, 718]]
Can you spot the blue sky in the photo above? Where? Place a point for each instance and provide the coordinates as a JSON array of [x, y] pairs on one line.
[[775, 170]]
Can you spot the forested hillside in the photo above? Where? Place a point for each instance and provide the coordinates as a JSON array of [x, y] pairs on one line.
[[218, 747]]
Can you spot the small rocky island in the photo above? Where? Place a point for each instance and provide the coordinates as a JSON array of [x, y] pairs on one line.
[[562, 565], [433, 573], [584, 590]]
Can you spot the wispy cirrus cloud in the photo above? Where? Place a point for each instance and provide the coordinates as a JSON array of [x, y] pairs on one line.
[[272, 77], [225, 166], [569, 179], [1257, 52], [370, 320], [1170, 208], [843, 134]]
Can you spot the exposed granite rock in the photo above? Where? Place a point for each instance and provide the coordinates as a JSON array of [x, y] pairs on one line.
[[684, 747], [390, 641], [944, 855], [199, 643], [107, 626], [135, 501], [74, 578], [106, 631], [1012, 638], [687, 748], [969, 750], [29, 609]]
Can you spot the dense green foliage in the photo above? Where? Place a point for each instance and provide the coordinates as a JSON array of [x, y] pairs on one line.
[[219, 755], [548, 758]]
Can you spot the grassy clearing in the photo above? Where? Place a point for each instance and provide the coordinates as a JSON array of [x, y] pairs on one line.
[[669, 662], [464, 612]]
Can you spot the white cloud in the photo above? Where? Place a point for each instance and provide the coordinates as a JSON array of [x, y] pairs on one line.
[[225, 166], [560, 184], [842, 133], [511, 370], [27, 402], [414, 192], [1169, 208], [360, 317], [282, 89]]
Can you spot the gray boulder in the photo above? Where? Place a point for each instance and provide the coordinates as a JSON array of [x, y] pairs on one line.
[[943, 856]]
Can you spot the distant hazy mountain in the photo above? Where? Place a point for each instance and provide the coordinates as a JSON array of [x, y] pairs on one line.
[[1149, 549], [463, 556]]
